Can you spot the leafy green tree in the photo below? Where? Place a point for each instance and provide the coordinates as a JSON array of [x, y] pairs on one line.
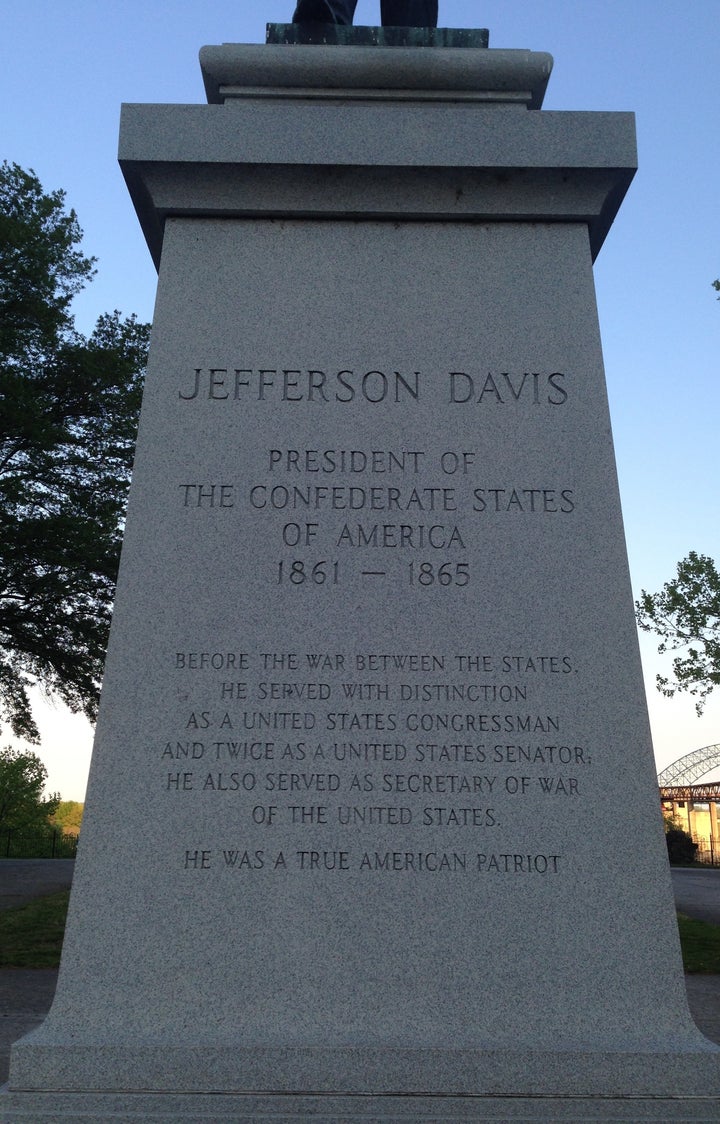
[[685, 614], [68, 816], [680, 846], [22, 781], [671, 822], [68, 418]]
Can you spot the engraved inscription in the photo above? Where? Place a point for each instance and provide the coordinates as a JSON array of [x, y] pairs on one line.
[[377, 760], [391, 766]]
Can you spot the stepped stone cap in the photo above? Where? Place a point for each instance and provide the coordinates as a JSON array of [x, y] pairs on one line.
[[238, 70], [375, 133]]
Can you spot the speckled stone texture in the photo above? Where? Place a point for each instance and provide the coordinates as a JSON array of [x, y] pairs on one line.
[[350, 847]]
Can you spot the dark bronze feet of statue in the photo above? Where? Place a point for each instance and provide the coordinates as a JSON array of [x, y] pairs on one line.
[[393, 13]]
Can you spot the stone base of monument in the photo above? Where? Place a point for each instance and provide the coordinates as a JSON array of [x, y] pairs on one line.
[[254, 1108], [372, 831]]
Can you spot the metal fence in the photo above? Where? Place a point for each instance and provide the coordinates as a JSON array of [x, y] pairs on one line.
[[51, 843], [708, 849]]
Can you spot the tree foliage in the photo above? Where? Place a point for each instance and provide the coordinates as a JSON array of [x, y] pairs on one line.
[[685, 614], [22, 781], [67, 817], [68, 418], [680, 846]]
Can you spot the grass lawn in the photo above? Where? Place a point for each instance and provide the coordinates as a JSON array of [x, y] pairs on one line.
[[31, 936], [700, 945]]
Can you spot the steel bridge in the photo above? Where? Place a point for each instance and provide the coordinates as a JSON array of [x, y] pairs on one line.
[[690, 767]]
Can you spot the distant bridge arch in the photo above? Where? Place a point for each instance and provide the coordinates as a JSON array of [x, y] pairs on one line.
[[691, 767]]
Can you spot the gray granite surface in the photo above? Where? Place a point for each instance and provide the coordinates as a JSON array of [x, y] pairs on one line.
[[277, 1109], [26, 994], [250, 71], [441, 135], [373, 669]]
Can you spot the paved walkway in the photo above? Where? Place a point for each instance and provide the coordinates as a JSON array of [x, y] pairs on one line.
[[26, 994], [697, 892], [21, 880]]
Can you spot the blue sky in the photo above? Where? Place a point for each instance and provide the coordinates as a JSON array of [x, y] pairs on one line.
[[65, 68]]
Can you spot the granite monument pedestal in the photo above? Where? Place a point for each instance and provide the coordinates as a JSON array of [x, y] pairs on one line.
[[373, 710]]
